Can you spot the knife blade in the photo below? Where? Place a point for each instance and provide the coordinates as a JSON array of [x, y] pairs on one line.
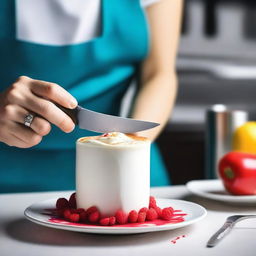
[[103, 123]]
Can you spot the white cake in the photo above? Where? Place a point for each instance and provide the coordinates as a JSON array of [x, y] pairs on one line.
[[113, 172]]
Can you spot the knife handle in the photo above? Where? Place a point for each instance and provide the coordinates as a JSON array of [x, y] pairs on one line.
[[72, 113]]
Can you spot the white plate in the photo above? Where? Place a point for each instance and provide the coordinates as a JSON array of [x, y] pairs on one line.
[[195, 212], [214, 189]]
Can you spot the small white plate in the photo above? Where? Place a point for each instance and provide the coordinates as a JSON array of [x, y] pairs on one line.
[[195, 212], [214, 189]]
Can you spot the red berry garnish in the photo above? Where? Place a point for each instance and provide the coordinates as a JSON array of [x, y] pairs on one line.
[[74, 217], [112, 221], [94, 216], [152, 202], [79, 210], [104, 221], [142, 217], [133, 216], [167, 214], [91, 210], [62, 203], [159, 211], [83, 216], [72, 201], [66, 214], [144, 209], [121, 217], [151, 214]]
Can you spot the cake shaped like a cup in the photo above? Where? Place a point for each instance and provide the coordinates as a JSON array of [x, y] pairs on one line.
[[113, 172]]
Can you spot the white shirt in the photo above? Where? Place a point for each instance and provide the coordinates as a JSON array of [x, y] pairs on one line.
[[60, 22]]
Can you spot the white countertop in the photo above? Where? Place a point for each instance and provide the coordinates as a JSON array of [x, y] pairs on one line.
[[19, 236]]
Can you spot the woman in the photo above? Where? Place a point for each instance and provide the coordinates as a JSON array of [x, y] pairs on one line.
[[87, 51]]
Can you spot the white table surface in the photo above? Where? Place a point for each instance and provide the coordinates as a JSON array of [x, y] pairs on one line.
[[19, 236]]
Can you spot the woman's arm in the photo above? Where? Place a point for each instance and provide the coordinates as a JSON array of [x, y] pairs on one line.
[[157, 94]]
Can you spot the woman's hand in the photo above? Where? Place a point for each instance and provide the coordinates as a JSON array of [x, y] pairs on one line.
[[29, 96]]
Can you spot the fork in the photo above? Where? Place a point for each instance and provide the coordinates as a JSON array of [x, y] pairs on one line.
[[226, 228]]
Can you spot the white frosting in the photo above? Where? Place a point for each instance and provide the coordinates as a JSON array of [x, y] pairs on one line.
[[112, 176], [115, 139]]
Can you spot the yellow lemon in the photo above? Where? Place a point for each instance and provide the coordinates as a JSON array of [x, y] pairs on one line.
[[244, 138]]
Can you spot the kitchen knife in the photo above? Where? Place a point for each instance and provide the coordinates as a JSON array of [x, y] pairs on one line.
[[103, 123]]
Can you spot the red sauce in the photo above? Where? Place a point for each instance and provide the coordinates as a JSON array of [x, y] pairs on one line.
[[174, 241]]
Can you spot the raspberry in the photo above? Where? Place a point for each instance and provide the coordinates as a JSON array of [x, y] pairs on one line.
[[167, 213], [104, 221], [121, 217], [94, 216], [112, 221], [62, 203], [72, 201], [83, 216], [159, 211], [152, 202], [151, 214], [133, 216], [142, 217], [144, 209], [66, 214], [91, 210], [74, 217], [79, 210]]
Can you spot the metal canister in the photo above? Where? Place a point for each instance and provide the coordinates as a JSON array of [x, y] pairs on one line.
[[221, 123]]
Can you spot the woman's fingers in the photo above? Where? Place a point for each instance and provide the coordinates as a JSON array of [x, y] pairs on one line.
[[27, 96], [42, 107], [50, 112], [40, 126], [17, 114], [53, 92], [19, 136], [13, 141], [25, 134]]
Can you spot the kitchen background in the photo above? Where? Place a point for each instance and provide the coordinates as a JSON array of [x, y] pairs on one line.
[[216, 64]]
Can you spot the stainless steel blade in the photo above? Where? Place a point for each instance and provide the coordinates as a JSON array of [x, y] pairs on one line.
[[103, 123]]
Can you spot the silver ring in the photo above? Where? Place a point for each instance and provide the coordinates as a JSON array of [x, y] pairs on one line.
[[28, 120]]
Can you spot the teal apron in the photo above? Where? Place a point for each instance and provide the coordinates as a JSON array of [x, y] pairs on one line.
[[97, 73]]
